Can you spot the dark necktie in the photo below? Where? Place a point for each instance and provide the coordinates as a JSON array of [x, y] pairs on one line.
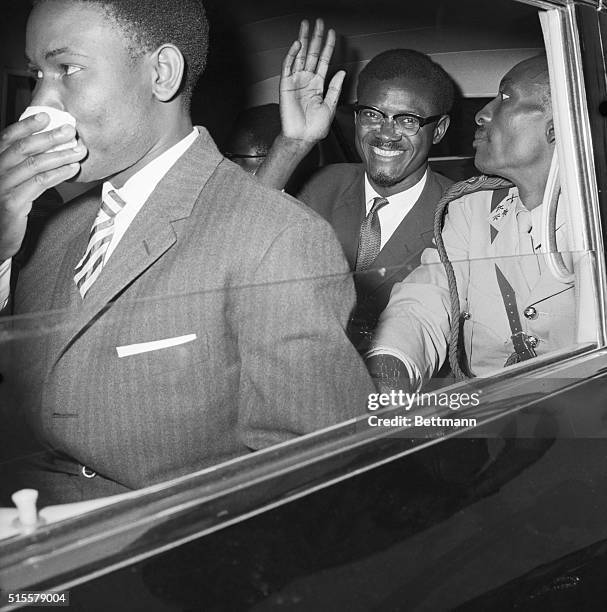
[[369, 241]]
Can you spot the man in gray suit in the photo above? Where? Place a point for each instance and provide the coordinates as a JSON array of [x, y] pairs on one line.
[[403, 103], [197, 314]]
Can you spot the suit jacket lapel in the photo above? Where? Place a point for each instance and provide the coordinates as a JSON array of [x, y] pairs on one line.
[[151, 233], [54, 299], [348, 215]]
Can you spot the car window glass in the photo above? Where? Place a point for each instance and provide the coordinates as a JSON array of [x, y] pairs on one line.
[[501, 250]]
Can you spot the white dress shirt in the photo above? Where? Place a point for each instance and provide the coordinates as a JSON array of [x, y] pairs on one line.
[[397, 208], [139, 187], [134, 192]]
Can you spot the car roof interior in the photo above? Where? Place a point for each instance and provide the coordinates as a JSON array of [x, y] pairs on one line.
[[249, 41]]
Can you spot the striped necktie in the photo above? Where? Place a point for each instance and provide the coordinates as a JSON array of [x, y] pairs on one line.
[[369, 241], [89, 267]]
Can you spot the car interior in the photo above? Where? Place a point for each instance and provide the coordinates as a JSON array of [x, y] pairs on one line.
[[477, 42]]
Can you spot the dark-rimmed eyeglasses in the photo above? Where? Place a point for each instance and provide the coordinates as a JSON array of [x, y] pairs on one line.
[[405, 123]]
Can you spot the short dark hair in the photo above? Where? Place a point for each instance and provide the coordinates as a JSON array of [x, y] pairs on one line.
[[410, 64], [147, 24], [256, 127]]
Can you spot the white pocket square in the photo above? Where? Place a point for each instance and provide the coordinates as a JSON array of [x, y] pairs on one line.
[[155, 345]]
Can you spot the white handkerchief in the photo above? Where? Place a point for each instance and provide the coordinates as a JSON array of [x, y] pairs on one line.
[[155, 345], [57, 119]]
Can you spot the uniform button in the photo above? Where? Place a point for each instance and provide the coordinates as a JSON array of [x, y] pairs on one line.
[[466, 315], [87, 472], [533, 341], [530, 312]]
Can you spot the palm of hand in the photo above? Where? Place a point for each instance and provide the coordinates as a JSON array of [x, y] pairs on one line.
[[305, 114]]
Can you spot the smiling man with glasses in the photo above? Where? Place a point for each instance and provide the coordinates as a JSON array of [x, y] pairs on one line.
[[381, 209]]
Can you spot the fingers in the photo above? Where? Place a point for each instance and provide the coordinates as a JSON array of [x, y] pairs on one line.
[[16, 204], [28, 166], [21, 149], [24, 194], [287, 63], [304, 31], [315, 45], [23, 129], [327, 53], [334, 90], [306, 55], [42, 163]]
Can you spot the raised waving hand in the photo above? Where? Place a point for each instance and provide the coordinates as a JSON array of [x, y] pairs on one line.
[[306, 113]]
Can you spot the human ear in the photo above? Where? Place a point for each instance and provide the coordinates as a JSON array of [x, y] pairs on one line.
[[440, 129], [169, 68]]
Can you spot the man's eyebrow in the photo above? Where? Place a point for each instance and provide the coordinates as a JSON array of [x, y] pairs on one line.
[[506, 83], [59, 51], [54, 53]]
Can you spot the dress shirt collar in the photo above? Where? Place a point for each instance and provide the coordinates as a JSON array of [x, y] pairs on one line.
[[136, 191], [399, 205], [512, 205], [403, 199], [138, 188]]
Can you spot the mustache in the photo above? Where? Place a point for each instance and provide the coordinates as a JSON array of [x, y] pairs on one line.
[[388, 146], [481, 133]]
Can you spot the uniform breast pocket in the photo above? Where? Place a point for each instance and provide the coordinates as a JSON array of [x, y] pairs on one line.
[[163, 354]]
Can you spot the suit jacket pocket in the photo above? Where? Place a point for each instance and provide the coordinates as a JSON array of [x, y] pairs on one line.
[[163, 354]]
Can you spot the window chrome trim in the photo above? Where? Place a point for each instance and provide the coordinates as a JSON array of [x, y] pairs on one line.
[[575, 146], [549, 4]]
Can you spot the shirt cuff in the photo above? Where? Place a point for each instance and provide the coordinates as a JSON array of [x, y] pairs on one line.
[[5, 282], [415, 377]]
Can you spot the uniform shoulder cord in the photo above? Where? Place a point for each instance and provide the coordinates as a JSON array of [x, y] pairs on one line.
[[458, 365]]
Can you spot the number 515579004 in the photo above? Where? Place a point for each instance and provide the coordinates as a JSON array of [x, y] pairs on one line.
[[37, 598]]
